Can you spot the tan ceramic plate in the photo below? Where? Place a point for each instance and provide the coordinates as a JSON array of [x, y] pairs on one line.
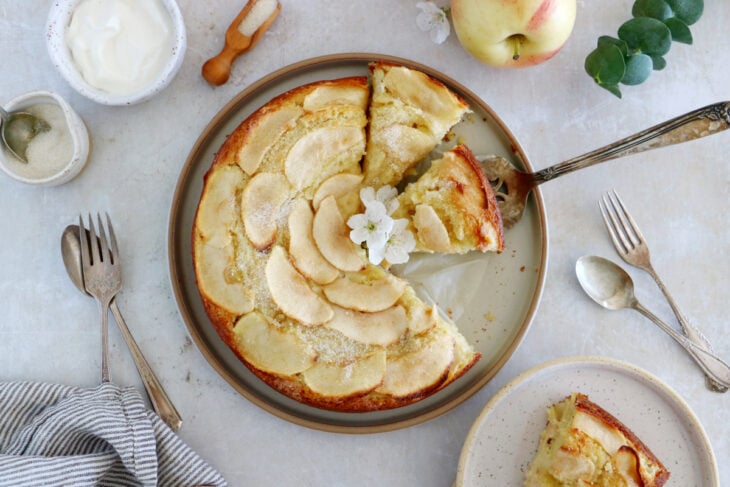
[[504, 438], [493, 302]]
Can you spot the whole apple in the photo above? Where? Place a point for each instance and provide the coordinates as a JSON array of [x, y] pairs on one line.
[[513, 33]]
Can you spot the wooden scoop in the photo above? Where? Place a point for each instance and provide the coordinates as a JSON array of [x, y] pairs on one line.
[[241, 36]]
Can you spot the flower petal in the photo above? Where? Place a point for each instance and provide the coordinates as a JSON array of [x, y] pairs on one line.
[[440, 31], [367, 195], [359, 235], [357, 221], [376, 253]]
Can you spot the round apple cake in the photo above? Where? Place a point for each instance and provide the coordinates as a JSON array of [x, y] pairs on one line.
[[303, 305]]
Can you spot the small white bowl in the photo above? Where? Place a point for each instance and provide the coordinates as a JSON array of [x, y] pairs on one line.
[[59, 19], [79, 139]]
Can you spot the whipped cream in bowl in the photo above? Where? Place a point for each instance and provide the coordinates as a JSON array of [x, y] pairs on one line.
[[116, 52]]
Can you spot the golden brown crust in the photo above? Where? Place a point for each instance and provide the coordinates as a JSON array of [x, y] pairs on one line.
[[589, 407], [489, 213], [360, 403]]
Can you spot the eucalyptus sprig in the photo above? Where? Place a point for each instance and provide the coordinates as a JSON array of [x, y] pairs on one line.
[[642, 42]]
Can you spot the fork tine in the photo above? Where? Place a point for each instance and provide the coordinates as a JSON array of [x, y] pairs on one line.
[[105, 257], [95, 255], [620, 241], [626, 229], [113, 239], [609, 226], [84, 243], [632, 224]]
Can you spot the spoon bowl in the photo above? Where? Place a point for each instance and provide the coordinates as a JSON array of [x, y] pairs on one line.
[[606, 283], [18, 129]]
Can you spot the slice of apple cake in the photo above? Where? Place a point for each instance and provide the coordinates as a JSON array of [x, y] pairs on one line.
[[583, 444]]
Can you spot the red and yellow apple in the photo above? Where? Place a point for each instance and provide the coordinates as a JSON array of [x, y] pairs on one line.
[[513, 33]]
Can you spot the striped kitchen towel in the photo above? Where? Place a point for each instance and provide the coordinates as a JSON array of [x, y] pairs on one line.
[[57, 435]]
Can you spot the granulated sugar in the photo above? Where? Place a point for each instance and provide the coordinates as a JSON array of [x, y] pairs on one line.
[[49, 152]]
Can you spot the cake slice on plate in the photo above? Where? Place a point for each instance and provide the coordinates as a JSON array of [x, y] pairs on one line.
[[584, 445]]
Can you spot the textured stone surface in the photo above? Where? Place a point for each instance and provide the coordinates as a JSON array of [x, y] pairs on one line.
[[50, 332]]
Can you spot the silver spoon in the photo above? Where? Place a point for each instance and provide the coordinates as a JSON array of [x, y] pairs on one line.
[[18, 129], [611, 287], [71, 252]]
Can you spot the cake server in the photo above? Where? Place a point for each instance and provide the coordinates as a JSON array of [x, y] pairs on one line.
[[512, 186]]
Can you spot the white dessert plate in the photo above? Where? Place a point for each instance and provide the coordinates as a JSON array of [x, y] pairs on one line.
[[492, 298], [504, 438]]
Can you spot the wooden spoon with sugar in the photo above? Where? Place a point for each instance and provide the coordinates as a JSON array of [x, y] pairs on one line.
[[242, 35]]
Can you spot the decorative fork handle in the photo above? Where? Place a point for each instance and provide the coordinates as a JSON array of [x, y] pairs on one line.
[[693, 125], [710, 363], [158, 397], [692, 333]]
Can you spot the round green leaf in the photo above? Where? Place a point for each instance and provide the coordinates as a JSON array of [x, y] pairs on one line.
[[680, 31], [659, 63], [647, 35], [688, 11], [614, 42], [656, 9], [638, 69], [606, 65]]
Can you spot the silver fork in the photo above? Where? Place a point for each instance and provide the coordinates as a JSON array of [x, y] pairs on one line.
[[102, 276], [631, 245]]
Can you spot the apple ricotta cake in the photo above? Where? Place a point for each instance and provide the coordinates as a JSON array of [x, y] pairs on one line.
[[288, 290], [584, 445]]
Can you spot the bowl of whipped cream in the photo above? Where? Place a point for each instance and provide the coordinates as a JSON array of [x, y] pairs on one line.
[[116, 52]]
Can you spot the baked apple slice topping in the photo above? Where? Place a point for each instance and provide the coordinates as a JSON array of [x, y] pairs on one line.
[[368, 296], [302, 249], [218, 208], [261, 203], [262, 133], [431, 231], [420, 370], [381, 328], [212, 265], [291, 292], [309, 160], [271, 349], [332, 236], [337, 380], [338, 185]]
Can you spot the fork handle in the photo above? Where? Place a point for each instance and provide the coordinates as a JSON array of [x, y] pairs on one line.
[[161, 403], [693, 125], [694, 335], [711, 364], [104, 311]]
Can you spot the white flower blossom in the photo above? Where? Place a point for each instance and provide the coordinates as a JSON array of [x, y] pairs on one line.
[[384, 237], [433, 19], [372, 227], [385, 195], [400, 243]]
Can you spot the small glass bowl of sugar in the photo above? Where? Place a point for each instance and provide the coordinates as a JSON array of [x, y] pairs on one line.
[[55, 156]]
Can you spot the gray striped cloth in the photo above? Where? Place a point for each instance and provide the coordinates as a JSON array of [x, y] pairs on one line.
[[57, 435]]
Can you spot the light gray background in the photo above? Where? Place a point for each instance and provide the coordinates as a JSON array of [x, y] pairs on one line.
[[49, 332]]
